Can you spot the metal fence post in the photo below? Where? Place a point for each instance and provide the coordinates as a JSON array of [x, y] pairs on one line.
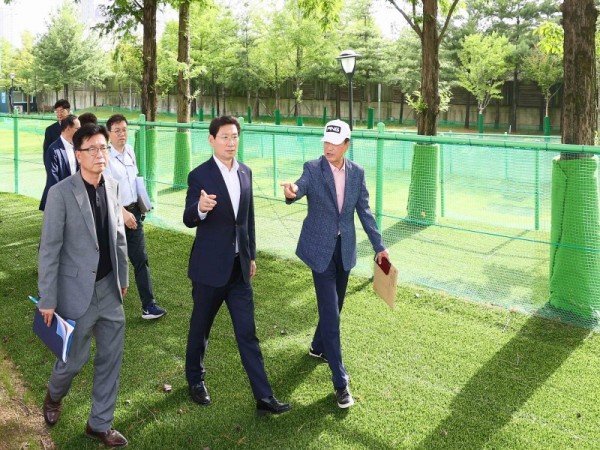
[[537, 190], [274, 166], [16, 149], [379, 180]]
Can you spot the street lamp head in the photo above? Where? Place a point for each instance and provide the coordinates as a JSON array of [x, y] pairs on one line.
[[12, 76], [348, 60]]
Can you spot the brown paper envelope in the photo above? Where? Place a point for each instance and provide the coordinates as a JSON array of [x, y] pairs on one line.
[[386, 285]]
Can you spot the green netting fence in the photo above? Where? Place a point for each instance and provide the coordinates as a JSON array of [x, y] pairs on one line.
[[497, 219]]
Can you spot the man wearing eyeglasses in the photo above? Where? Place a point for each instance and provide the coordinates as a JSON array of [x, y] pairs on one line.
[[123, 168], [61, 161], [83, 276], [220, 205]]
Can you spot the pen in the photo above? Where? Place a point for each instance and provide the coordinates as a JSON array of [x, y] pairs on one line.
[[33, 299]]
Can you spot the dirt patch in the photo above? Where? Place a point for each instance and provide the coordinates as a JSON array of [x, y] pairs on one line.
[[21, 422]]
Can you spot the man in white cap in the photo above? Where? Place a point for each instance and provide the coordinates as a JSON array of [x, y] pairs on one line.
[[334, 187]]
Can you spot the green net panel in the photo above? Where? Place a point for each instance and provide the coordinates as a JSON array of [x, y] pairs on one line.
[[490, 237]]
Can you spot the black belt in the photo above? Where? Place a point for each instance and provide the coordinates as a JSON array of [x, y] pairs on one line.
[[131, 207]]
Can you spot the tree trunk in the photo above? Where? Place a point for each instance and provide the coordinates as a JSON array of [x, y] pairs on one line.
[[402, 100], [65, 90], [573, 275], [95, 97], [223, 95], [579, 88], [430, 70], [150, 74], [497, 117]]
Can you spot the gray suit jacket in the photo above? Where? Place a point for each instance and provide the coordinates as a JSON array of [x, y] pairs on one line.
[[68, 255], [323, 221]]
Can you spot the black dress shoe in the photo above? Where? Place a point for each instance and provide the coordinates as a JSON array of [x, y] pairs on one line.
[[110, 438], [270, 405], [51, 410], [199, 393]]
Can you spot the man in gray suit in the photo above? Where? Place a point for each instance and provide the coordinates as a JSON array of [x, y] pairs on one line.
[[83, 276], [335, 188]]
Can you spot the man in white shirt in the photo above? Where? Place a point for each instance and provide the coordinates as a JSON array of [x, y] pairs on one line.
[[122, 167], [61, 156], [219, 204]]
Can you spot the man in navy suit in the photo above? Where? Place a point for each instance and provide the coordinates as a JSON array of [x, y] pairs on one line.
[[219, 204], [62, 108], [335, 188], [61, 156]]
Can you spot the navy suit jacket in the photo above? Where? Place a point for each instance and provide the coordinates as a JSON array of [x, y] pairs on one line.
[[52, 133], [59, 168], [213, 251], [323, 221]]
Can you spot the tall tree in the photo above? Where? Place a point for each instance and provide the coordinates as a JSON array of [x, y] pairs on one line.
[[7, 55], [573, 276], [67, 56], [515, 19], [402, 66], [127, 67], [361, 33], [484, 65], [543, 64], [25, 69], [123, 17], [431, 34]]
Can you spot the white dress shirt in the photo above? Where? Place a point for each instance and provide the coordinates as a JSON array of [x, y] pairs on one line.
[[122, 167], [234, 189], [70, 155]]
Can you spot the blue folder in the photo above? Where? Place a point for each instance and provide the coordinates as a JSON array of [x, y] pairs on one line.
[[57, 336]]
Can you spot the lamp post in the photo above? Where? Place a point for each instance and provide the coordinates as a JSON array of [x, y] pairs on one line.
[[12, 88], [348, 61]]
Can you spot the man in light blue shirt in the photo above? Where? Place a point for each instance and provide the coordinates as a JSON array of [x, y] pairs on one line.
[[123, 168]]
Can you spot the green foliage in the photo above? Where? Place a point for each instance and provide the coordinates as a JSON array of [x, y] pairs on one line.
[[127, 63], [326, 12], [484, 62], [546, 69], [67, 55], [7, 55], [25, 69], [551, 38], [415, 101]]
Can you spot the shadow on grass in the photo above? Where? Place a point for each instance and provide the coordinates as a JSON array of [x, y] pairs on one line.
[[392, 235], [488, 401]]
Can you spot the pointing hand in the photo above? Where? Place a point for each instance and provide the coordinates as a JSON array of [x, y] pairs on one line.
[[207, 201]]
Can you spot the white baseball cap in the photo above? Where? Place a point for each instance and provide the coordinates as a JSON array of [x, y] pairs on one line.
[[336, 132]]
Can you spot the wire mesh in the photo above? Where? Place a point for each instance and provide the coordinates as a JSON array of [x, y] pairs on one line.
[[491, 240]]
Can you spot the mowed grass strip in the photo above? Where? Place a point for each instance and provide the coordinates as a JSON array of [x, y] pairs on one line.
[[436, 372]]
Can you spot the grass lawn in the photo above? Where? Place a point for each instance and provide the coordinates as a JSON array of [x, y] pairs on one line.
[[435, 373]]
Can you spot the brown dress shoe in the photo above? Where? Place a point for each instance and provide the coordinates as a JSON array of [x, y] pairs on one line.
[[51, 410], [110, 438]]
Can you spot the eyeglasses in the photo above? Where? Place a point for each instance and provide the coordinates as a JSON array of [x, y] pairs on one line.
[[226, 138], [119, 130], [93, 151]]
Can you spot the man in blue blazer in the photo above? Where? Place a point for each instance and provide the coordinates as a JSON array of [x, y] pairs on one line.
[[61, 156], [335, 188], [62, 108], [220, 205]]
